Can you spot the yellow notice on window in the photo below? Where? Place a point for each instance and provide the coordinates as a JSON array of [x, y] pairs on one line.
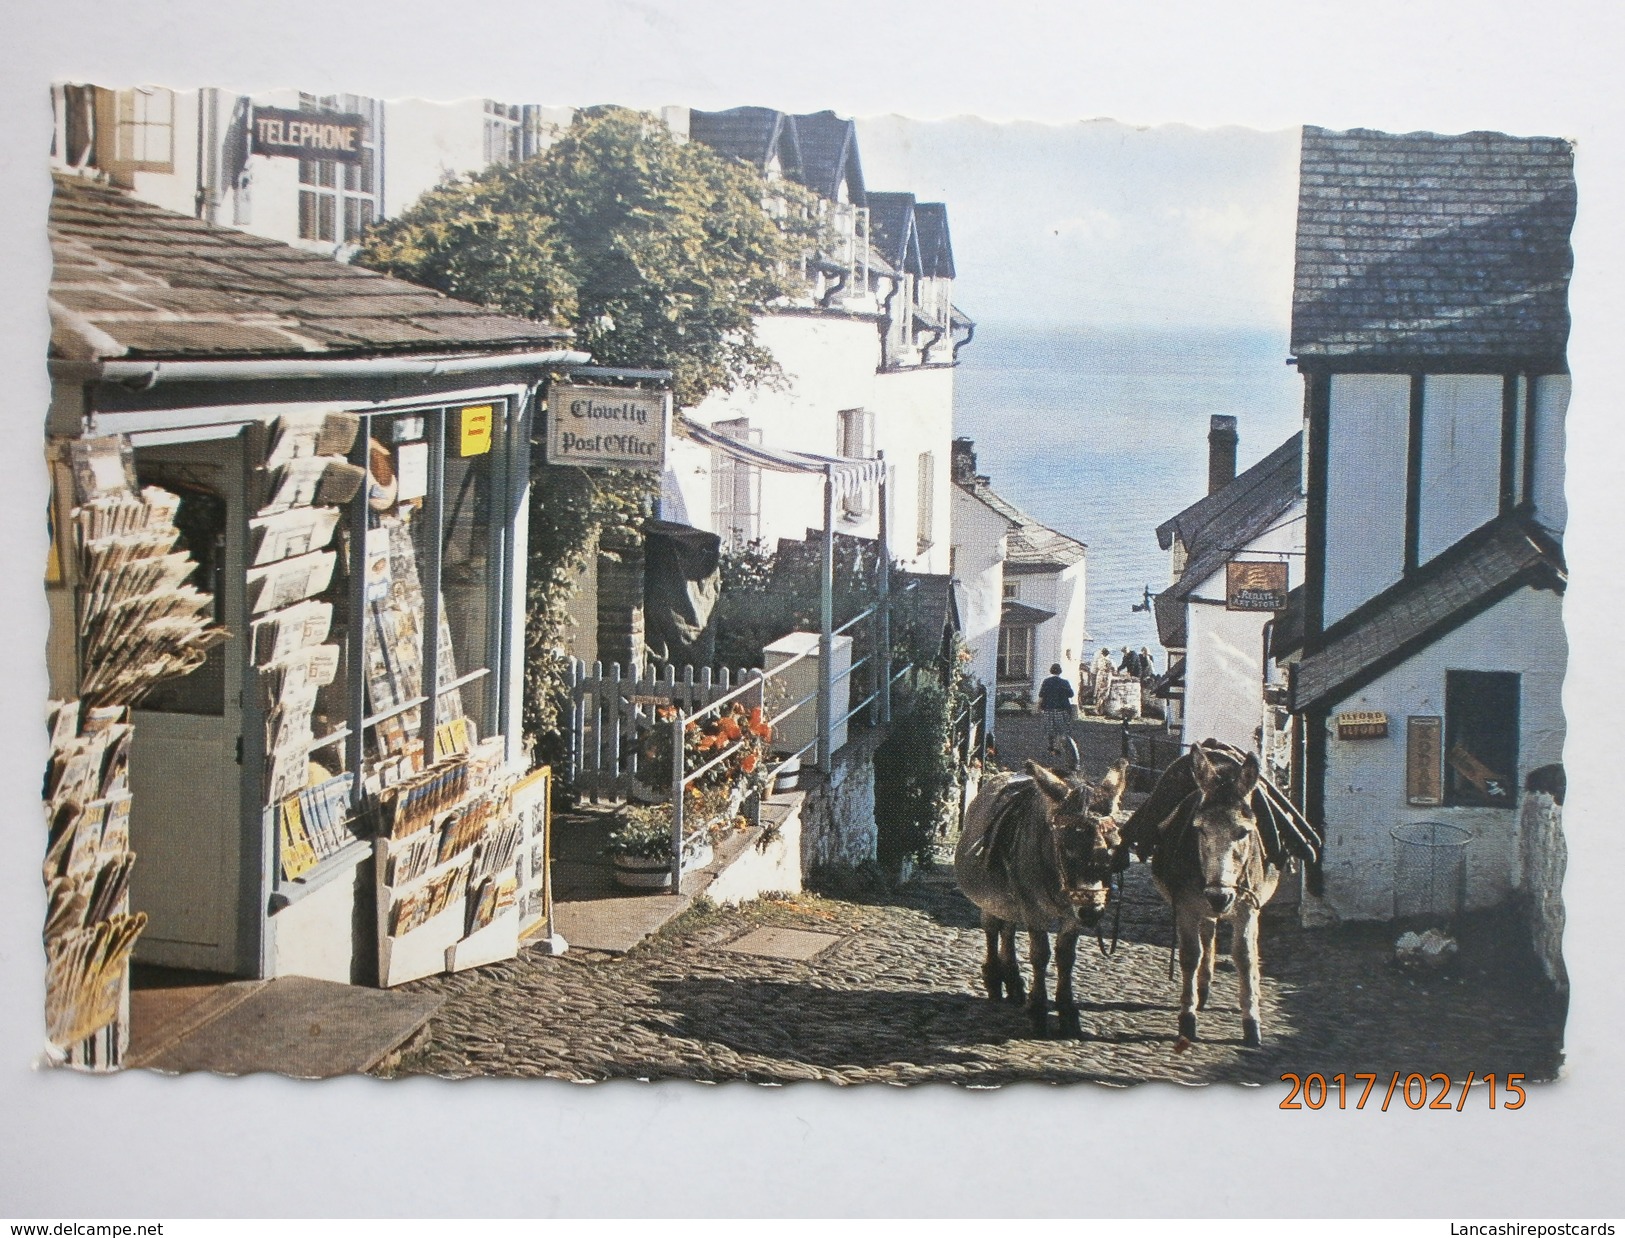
[[477, 422]]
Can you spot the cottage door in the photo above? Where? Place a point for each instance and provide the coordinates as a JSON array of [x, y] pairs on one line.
[[196, 872]]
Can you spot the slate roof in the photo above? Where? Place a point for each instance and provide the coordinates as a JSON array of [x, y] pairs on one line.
[[936, 248], [892, 229], [929, 604], [750, 133], [1417, 246], [829, 155], [1032, 547], [1461, 583], [133, 280], [1019, 613], [1214, 527]]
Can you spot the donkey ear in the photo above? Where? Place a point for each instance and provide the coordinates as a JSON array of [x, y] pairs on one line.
[[1207, 778], [1247, 777], [1048, 783], [1114, 784]]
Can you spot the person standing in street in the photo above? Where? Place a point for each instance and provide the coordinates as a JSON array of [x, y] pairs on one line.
[[1055, 699]]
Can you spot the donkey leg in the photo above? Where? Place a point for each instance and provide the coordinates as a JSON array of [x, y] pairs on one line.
[[1014, 990], [1066, 953], [1246, 950], [992, 967], [1210, 955], [1187, 923], [1038, 995]]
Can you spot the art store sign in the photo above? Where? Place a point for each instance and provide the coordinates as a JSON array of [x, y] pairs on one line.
[[308, 135], [607, 427], [1254, 586]]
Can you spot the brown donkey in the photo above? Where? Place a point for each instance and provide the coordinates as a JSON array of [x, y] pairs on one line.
[[1039, 852], [1212, 862]]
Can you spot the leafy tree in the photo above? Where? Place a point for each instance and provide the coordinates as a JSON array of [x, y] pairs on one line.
[[656, 254]]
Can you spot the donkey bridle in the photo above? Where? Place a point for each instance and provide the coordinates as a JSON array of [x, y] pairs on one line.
[[1078, 895]]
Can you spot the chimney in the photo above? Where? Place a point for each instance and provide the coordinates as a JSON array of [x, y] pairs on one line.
[[964, 462], [1221, 452]]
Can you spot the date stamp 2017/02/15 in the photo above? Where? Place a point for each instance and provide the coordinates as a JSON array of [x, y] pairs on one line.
[[1417, 1091]]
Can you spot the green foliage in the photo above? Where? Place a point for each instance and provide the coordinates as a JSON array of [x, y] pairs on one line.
[[917, 771], [656, 254]]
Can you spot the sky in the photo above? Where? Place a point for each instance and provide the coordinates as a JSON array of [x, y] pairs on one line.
[[1099, 223]]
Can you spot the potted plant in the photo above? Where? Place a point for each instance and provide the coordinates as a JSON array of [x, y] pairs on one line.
[[640, 847]]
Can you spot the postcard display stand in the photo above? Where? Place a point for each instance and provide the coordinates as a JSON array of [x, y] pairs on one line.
[[306, 482], [137, 624]]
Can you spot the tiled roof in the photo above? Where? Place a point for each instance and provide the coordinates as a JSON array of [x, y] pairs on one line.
[[1418, 611], [936, 248], [1216, 526], [133, 280], [753, 134], [1032, 547], [829, 155], [1414, 246]]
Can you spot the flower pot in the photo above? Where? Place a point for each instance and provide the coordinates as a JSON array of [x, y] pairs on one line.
[[636, 872]]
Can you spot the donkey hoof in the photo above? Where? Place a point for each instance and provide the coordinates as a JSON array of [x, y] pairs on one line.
[[1038, 1018], [1071, 1028], [1250, 1035], [1187, 1026], [1015, 994]]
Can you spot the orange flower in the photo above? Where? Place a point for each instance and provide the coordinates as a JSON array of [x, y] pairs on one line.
[[729, 728], [749, 763], [755, 717]]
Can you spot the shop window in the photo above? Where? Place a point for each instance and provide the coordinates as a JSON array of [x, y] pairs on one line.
[[1015, 660], [1012, 590], [926, 505], [339, 201], [736, 488], [402, 556], [855, 440], [1481, 739]]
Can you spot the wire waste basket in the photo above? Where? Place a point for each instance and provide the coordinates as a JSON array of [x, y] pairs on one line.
[[1430, 873]]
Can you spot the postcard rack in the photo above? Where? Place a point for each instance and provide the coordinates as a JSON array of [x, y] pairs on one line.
[[138, 622], [445, 860], [304, 483]]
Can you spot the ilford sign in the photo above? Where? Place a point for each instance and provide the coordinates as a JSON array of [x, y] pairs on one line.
[[607, 427], [1255, 586], [308, 135]]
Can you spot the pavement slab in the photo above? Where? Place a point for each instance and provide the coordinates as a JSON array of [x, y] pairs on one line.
[[782, 943]]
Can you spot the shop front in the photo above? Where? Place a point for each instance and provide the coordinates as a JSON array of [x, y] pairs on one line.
[[339, 790]]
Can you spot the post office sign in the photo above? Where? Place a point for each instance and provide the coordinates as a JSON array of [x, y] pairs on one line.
[[607, 427]]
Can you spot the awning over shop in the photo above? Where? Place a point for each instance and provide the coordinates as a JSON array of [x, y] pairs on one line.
[[845, 474]]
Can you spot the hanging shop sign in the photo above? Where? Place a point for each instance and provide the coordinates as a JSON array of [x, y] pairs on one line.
[[607, 427], [1362, 724], [1424, 760], [1255, 586], [308, 135]]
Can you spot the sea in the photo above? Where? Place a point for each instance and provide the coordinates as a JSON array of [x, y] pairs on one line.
[[1101, 433]]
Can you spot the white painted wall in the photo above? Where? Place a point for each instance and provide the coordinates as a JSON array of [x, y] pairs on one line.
[[1551, 411], [1365, 779], [980, 538], [1224, 649], [1461, 458], [1365, 488], [426, 143], [830, 363], [1059, 639]]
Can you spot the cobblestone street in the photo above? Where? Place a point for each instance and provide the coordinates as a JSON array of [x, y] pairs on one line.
[[895, 997]]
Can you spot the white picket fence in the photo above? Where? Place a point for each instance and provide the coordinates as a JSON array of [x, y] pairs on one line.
[[613, 715]]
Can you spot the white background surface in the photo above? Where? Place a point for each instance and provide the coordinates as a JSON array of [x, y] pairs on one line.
[[144, 1147]]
